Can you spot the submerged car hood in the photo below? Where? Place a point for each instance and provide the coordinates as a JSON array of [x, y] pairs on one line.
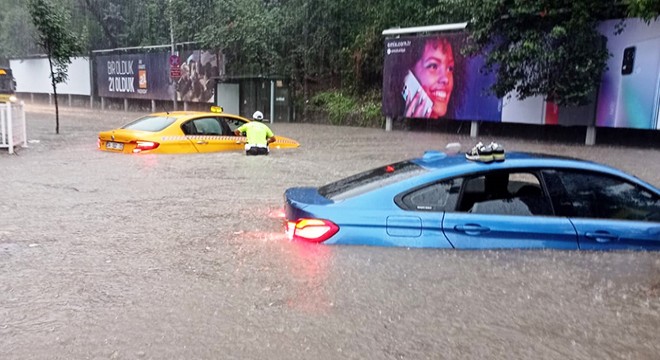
[[282, 142]]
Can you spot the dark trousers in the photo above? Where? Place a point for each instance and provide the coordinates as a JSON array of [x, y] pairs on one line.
[[257, 151]]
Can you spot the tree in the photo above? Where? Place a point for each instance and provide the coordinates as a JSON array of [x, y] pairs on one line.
[[16, 31], [245, 30], [549, 49], [59, 43], [190, 18], [544, 49], [645, 9]]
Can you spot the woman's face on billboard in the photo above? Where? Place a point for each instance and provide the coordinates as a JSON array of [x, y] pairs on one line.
[[435, 72]]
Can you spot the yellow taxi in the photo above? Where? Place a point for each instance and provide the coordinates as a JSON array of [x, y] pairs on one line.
[[7, 86], [181, 132]]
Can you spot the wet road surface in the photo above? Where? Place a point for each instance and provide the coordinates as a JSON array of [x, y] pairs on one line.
[[109, 256]]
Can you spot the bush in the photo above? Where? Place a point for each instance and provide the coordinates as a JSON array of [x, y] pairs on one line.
[[348, 110]]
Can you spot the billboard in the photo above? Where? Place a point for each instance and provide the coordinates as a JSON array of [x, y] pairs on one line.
[[629, 94], [428, 77], [147, 76], [134, 76], [197, 69]]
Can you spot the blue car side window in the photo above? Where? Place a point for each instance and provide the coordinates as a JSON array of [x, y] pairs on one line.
[[439, 196], [589, 195], [511, 206], [505, 193]]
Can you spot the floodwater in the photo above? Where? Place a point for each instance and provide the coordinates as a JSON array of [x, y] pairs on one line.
[[110, 256]]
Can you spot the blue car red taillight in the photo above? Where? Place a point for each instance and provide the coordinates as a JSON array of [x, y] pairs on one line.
[[312, 230]]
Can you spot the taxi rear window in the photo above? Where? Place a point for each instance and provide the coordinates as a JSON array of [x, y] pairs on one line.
[[150, 123], [369, 180]]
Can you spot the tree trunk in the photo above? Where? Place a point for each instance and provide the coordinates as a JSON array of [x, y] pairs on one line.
[[54, 83]]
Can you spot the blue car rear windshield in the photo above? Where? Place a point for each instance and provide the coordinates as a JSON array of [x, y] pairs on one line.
[[369, 180], [150, 123]]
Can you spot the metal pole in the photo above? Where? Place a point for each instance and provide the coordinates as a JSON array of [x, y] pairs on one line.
[[174, 105], [23, 118], [10, 130], [3, 124], [272, 101]]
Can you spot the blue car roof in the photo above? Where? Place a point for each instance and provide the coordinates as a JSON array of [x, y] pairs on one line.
[[432, 160], [437, 160]]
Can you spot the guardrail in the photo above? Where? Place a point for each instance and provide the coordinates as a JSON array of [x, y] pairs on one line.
[[13, 128]]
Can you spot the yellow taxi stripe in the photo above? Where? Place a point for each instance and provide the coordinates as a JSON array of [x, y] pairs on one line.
[[202, 137], [216, 137]]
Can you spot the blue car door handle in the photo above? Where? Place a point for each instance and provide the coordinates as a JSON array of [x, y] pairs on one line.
[[601, 236], [472, 229]]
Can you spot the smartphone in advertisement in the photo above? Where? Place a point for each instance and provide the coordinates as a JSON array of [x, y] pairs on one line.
[[638, 101], [410, 88]]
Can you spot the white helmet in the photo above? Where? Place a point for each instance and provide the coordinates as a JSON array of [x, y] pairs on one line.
[[258, 116]]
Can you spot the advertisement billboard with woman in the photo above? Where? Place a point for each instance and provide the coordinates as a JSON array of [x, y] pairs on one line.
[[428, 77]]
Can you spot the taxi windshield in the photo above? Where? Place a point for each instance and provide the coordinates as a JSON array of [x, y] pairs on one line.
[[150, 123]]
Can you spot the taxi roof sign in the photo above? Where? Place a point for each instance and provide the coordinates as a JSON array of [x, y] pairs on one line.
[[216, 109], [3, 72]]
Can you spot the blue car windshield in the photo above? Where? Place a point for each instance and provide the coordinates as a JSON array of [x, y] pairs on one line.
[[150, 123], [369, 180]]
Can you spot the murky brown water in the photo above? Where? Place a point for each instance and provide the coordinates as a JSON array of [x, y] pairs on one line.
[[183, 257]]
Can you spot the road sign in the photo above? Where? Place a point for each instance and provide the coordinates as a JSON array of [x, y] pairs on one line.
[[175, 60], [175, 72]]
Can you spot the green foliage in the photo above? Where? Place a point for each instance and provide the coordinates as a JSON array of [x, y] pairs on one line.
[[189, 18], [336, 104], [146, 25], [534, 43], [16, 32], [645, 9], [245, 30], [324, 45], [54, 36], [59, 43], [344, 109]]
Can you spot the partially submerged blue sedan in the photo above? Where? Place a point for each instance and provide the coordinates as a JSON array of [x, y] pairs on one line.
[[447, 201]]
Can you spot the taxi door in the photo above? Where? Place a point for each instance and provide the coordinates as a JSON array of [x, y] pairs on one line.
[[212, 134]]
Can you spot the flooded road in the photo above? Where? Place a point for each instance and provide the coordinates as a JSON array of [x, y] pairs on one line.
[[109, 256]]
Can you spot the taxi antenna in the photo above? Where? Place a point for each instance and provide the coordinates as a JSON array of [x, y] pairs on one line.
[[164, 109]]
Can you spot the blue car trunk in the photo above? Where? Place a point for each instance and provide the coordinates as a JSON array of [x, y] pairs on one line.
[[297, 199]]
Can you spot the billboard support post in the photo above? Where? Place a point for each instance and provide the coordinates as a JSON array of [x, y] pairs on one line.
[[474, 129], [591, 136]]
